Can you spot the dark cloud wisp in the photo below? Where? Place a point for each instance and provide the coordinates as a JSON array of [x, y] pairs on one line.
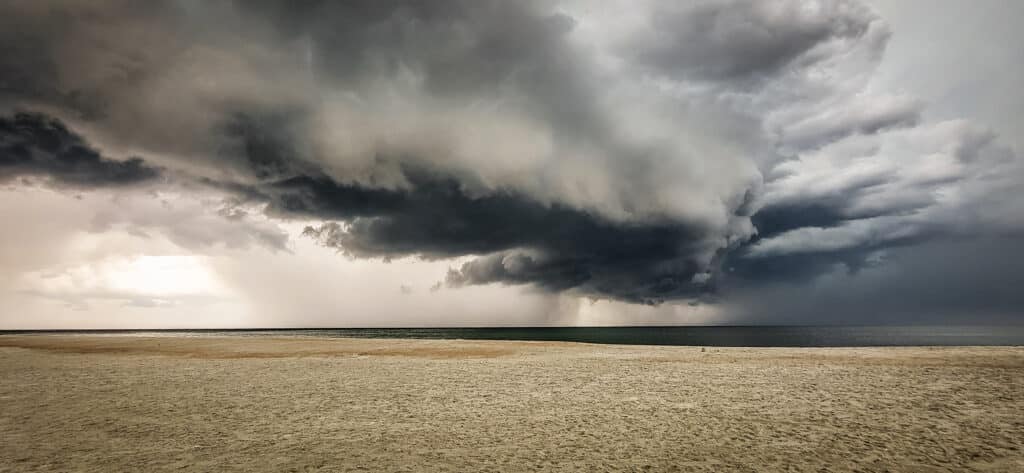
[[37, 146]]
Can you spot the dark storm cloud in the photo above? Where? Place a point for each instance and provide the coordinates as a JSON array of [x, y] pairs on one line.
[[829, 211], [462, 49], [266, 143], [502, 131], [525, 241], [34, 145], [777, 219]]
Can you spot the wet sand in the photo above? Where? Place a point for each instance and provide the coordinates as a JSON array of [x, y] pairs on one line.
[[91, 403]]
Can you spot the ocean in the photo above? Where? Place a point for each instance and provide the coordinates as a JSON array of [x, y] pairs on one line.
[[717, 336]]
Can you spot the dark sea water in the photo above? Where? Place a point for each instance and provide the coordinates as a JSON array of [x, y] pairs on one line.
[[722, 336]]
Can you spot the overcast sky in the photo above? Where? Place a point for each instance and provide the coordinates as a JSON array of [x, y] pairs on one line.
[[575, 162]]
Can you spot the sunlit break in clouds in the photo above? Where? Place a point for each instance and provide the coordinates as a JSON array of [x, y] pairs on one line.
[[389, 163]]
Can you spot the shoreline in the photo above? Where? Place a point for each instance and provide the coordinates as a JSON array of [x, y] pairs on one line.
[[681, 336], [304, 346]]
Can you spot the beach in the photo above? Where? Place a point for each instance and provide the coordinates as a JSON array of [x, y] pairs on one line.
[[119, 403]]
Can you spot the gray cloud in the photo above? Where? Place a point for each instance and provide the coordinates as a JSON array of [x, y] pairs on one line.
[[525, 241], [863, 115], [37, 146], [714, 146], [848, 195], [743, 41]]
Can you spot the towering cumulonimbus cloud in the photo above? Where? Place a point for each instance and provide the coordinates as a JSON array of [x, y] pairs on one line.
[[684, 151]]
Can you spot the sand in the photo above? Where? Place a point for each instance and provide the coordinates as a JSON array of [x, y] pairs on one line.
[[88, 403]]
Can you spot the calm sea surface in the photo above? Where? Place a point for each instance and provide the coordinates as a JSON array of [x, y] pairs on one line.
[[723, 336]]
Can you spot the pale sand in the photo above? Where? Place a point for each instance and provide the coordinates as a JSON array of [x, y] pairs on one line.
[[70, 403]]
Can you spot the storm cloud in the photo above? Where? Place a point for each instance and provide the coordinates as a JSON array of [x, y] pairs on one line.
[[525, 241], [33, 145], [686, 153]]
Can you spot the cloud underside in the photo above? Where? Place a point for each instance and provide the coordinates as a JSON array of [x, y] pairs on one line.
[[718, 144], [33, 145]]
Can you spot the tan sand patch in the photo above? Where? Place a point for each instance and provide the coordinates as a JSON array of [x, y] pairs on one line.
[[314, 404]]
